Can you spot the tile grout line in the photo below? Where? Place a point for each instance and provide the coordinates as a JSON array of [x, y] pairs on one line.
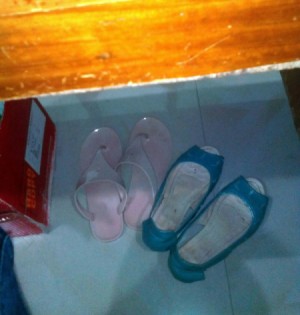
[[205, 142], [229, 289], [201, 114]]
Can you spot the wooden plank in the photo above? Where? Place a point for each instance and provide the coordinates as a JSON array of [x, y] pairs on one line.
[[54, 46]]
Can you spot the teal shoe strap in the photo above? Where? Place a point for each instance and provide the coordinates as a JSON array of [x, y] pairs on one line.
[[156, 239], [183, 270], [255, 200], [212, 162]]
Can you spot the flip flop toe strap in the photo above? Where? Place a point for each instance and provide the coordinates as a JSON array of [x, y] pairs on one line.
[[136, 156]]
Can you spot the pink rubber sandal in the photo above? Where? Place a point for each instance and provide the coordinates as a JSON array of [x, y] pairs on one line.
[[100, 196], [143, 168]]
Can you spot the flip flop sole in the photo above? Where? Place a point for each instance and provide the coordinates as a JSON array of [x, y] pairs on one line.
[[148, 156], [104, 139], [100, 197], [158, 144]]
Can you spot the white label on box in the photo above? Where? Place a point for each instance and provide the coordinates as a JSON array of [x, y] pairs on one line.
[[35, 138]]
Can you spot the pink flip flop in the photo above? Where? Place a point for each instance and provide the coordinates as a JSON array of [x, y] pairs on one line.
[[100, 196], [143, 168]]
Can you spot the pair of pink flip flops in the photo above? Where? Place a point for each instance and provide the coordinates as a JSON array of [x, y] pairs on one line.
[[115, 187]]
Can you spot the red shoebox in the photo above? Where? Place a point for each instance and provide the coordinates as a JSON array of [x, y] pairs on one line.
[[27, 143]]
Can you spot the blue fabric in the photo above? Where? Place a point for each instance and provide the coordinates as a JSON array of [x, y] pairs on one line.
[[11, 301], [189, 272], [161, 240]]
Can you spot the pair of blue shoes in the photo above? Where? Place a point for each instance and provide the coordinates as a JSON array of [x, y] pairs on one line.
[[199, 237]]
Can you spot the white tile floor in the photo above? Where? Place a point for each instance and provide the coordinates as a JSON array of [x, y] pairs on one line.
[[247, 118], [252, 126]]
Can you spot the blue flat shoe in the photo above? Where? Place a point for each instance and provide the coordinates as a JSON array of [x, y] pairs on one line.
[[184, 189], [227, 221]]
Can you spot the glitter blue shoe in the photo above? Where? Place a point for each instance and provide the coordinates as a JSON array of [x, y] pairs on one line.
[[186, 185], [226, 222]]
